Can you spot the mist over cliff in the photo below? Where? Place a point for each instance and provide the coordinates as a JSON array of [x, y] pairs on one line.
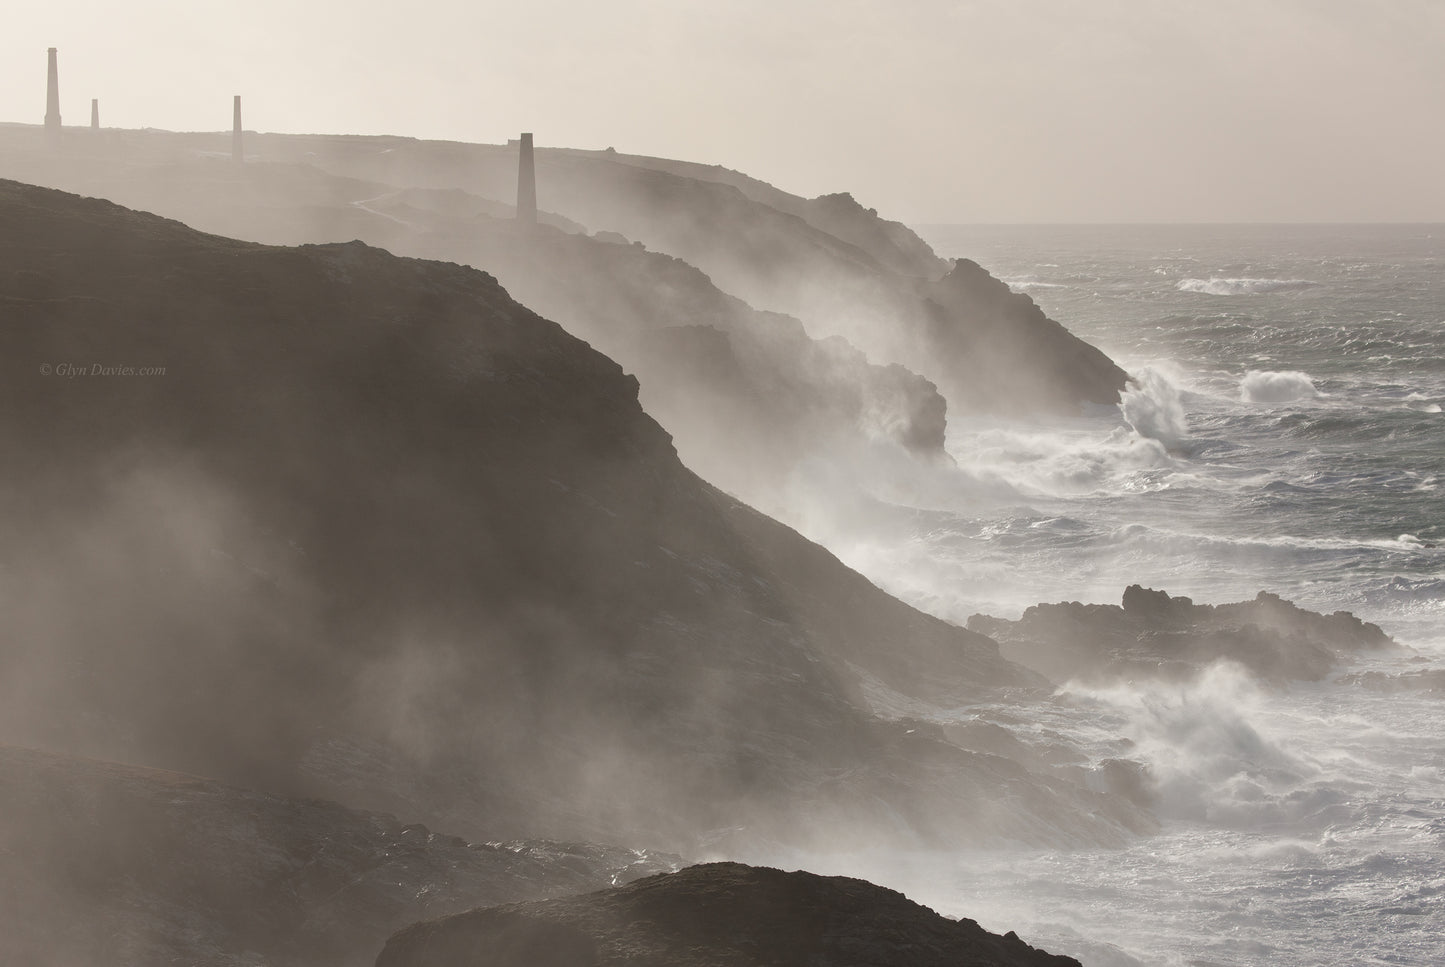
[[379, 530], [790, 345]]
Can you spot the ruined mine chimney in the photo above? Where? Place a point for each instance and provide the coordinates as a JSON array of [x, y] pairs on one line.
[[95, 114], [237, 155], [526, 182], [52, 98]]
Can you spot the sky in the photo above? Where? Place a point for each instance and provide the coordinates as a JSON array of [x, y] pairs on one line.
[[1020, 111]]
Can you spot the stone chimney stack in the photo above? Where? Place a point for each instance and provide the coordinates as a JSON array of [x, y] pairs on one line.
[[95, 114], [526, 182], [52, 98], [237, 155]]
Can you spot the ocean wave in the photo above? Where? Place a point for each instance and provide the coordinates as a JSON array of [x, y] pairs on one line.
[[1284, 386], [1220, 286], [1020, 283]]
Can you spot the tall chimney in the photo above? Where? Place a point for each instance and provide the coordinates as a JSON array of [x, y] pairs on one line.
[[236, 153], [526, 183], [52, 98], [95, 114]]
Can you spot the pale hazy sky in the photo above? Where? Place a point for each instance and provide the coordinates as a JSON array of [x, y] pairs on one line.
[[929, 110]]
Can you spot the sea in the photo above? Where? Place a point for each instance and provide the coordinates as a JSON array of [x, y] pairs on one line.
[[1283, 432]]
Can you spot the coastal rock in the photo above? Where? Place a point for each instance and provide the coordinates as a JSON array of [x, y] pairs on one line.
[[1153, 633], [1427, 682], [714, 915]]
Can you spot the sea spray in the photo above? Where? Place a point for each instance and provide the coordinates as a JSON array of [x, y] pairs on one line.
[[1205, 743], [1153, 406]]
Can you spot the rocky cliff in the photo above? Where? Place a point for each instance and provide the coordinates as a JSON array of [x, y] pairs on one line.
[[829, 262], [325, 520]]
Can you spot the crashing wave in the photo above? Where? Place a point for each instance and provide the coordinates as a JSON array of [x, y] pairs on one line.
[[1219, 286], [1154, 408], [1285, 386]]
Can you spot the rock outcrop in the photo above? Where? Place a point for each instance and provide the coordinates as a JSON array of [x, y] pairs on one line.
[[1155, 634], [975, 325], [714, 915]]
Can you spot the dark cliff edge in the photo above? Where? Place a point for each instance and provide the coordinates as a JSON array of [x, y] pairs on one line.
[[1154, 634], [714, 915], [377, 532]]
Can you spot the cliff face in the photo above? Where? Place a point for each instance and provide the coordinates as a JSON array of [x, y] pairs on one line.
[[379, 532], [975, 324], [750, 398], [715, 915]]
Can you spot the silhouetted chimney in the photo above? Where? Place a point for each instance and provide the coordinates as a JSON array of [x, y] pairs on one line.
[[52, 97], [95, 114], [526, 183], [236, 153]]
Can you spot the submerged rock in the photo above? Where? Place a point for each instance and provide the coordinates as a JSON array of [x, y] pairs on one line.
[[1155, 634], [714, 915], [1428, 682]]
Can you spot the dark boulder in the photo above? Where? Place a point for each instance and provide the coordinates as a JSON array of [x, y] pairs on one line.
[[715, 915]]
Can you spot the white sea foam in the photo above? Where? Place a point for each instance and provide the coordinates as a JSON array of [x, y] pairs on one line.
[[1057, 463], [1215, 285], [1023, 283], [1219, 286], [1282, 386]]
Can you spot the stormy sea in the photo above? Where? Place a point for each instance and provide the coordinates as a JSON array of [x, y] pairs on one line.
[[1285, 433]]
